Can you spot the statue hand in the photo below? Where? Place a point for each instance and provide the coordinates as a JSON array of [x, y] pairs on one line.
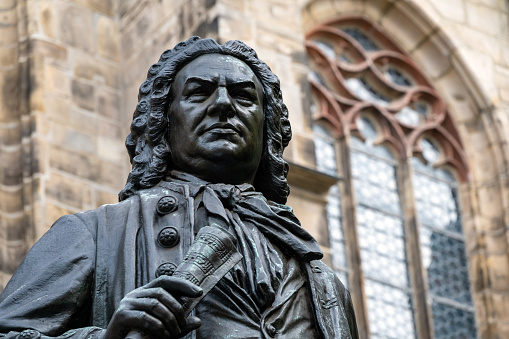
[[155, 310]]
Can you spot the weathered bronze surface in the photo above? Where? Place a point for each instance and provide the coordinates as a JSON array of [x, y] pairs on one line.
[[206, 148]]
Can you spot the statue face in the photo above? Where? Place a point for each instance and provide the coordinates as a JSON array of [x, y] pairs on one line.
[[216, 119]]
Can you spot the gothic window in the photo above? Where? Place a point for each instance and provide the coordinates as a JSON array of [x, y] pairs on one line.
[[402, 162]]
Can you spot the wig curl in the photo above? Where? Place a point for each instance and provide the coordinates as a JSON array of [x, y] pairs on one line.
[[148, 143]]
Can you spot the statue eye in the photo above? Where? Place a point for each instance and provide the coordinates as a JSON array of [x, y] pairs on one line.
[[244, 96], [200, 91]]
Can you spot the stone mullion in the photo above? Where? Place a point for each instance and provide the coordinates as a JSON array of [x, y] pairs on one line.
[[422, 311], [349, 222]]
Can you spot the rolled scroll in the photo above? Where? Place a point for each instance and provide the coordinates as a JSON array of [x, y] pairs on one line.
[[212, 254]]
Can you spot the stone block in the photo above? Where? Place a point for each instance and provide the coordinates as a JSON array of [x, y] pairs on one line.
[[111, 175], [416, 27], [74, 21], [55, 211], [48, 49], [84, 165], [57, 108], [106, 7], [476, 267], [83, 94], [9, 56], [490, 204], [10, 135], [49, 18], [112, 129], [83, 121], [498, 272], [108, 103], [68, 190], [457, 97], [500, 302], [496, 242], [236, 28], [72, 139], [11, 199], [9, 96], [433, 56], [111, 149], [107, 38], [89, 68], [57, 81], [453, 10], [106, 197], [305, 151], [13, 253], [36, 84], [8, 27], [375, 9], [11, 170], [486, 19], [481, 66]]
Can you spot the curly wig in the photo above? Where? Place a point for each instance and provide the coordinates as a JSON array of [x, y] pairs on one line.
[[148, 143]]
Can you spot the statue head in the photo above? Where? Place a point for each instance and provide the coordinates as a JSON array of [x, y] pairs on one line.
[[150, 142]]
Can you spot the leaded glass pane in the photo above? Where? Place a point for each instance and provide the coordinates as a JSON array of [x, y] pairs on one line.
[[382, 246], [443, 248], [397, 77], [389, 311], [324, 151], [381, 239], [429, 151], [336, 239], [453, 322], [375, 183], [326, 48], [436, 204], [409, 116], [365, 91], [361, 38], [446, 264]]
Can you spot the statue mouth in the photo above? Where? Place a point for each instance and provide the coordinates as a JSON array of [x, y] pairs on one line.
[[222, 128]]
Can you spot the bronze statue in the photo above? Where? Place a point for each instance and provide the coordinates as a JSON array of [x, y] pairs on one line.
[[201, 244]]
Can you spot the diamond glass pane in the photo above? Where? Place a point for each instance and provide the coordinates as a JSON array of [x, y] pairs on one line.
[[389, 311], [445, 261], [365, 92], [336, 238], [397, 77], [452, 322], [382, 246], [375, 183], [443, 248], [361, 38], [436, 203], [382, 243], [325, 156], [326, 48]]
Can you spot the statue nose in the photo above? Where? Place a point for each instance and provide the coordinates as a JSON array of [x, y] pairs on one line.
[[222, 105]]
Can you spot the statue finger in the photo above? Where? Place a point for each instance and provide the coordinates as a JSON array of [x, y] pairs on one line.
[[177, 286], [158, 310], [165, 298], [144, 322]]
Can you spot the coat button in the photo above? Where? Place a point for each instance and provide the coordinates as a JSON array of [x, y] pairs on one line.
[[29, 334], [168, 237], [271, 330], [166, 205], [166, 269]]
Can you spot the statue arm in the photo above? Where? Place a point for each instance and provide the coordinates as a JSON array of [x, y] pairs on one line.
[[50, 292]]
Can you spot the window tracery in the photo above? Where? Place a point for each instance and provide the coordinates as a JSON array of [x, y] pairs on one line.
[[375, 100]]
